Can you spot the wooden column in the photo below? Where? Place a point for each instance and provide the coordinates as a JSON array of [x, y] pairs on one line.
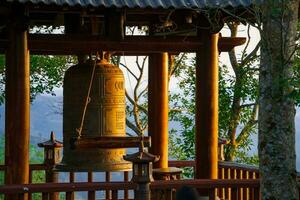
[[158, 107], [207, 108], [17, 102]]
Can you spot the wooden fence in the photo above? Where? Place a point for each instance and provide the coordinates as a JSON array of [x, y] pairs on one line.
[[165, 189], [236, 182]]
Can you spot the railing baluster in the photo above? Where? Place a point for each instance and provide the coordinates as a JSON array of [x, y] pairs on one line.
[[256, 194], [126, 179], [240, 190], [256, 175], [234, 193], [213, 193], [107, 179], [246, 190], [30, 181], [251, 190], [21, 196], [174, 194], [115, 195], [222, 189], [227, 176], [45, 196], [91, 194], [71, 195], [168, 194], [234, 177], [219, 190]]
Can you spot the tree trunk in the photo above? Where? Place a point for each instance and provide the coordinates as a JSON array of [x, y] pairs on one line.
[[277, 109]]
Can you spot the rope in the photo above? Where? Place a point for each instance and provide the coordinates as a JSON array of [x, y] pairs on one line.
[[87, 100]]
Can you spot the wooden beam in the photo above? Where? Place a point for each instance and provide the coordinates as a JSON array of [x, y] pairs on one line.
[[109, 142], [114, 23], [158, 107], [17, 102], [206, 148], [65, 45]]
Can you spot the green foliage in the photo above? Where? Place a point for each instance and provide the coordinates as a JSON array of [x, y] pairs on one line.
[[295, 82], [46, 73], [183, 103], [182, 142], [36, 157]]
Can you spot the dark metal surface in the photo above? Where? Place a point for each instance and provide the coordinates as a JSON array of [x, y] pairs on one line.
[[181, 4]]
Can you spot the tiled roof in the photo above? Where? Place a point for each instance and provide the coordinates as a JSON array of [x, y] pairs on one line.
[[148, 3]]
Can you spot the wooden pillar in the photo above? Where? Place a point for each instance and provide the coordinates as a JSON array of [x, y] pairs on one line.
[[17, 102], [207, 108], [158, 107]]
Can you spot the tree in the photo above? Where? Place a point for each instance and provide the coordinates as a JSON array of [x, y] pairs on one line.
[[136, 105], [277, 108], [136, 92], [46, 73], [238, 93], [243, 95]]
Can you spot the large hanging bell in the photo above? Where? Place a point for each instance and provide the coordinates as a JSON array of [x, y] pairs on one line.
[[104, 116]]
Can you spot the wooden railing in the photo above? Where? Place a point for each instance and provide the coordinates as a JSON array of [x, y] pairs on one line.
[[234, 179], [168, 187], [70, 195], [229, 171], [69, 188]]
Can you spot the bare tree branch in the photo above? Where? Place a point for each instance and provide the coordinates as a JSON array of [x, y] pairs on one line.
[[249, 125], [173, 68], [133, 127], [132, 102], [251, 56], [248, 105], [143, 92], [232, 55], [132, 74], [247, 44], [135, 95]]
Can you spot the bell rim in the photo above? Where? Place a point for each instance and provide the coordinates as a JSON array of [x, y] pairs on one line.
[[120, 167]]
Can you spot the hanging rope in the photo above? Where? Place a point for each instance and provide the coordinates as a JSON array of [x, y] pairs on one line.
[[87, 100]]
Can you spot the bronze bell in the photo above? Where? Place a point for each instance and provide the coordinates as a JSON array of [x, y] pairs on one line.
[[104, 116]]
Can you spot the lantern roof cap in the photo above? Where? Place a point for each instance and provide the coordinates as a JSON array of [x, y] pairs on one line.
[[141, 157], [52, 142]]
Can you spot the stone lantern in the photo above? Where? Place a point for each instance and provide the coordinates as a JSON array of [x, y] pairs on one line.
[[52, 156], [142, 171], [52, 151]]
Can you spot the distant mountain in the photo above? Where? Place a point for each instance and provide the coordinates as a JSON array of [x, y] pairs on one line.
[[44, 119]]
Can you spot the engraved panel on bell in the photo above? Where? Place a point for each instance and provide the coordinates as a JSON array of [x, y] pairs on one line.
[[114, 86]]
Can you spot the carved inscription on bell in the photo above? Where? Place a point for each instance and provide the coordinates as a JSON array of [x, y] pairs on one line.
[[114, 86], [105, 115]]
